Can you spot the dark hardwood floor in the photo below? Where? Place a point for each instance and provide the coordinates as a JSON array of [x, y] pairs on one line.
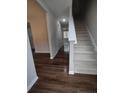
[[54, 78]]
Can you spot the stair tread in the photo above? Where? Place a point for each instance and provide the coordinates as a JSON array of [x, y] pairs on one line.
[[85, 49], [83, 61], [84, 52], [75, 46], [85, 57], [81, 36], [92, 69], [86, 71], [84, 46]]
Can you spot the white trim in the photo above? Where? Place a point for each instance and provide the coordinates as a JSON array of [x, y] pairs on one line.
[[52, 56], [71, 72], [92, 39], [49, 36], [43, 5], [32, 83]]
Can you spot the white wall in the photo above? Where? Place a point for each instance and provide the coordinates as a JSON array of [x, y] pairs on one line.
[[60, 7], [31, 72], [60, 34], [54, 34], [91, 20]]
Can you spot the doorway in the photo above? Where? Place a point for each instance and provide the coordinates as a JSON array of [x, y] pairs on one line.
[[36, 16]]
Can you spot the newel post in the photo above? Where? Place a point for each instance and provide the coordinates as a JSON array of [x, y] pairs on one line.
[[71, 57]]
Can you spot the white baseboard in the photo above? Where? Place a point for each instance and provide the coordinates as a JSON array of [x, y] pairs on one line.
[[32, 83], [52, 56], [71, 72], [92, 39]]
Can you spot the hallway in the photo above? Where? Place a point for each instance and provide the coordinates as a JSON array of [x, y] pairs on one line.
[[54, 78]]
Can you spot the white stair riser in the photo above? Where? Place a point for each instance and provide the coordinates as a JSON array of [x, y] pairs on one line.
[[83, 44], [83, 47], [86, 65], [85, 59], [84, 52], [86, 71], [79, 56]]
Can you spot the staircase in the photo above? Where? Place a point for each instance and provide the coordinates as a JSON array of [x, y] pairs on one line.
[[85, 57]]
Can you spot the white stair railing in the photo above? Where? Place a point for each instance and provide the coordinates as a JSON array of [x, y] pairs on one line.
[[72, 40]]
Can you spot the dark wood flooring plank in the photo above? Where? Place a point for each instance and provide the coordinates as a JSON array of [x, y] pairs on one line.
[[54, 78]]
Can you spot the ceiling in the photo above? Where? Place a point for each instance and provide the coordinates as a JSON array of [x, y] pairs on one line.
[[59, 7]]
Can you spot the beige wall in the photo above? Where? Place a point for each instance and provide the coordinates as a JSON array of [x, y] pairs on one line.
[[54, 32], [36, 16]]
